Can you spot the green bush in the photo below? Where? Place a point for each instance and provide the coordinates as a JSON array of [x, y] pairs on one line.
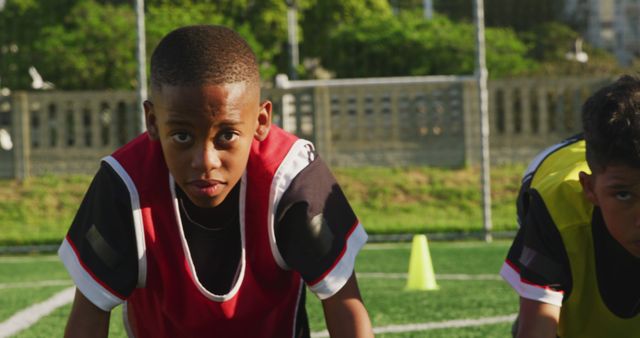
[[409, 45]]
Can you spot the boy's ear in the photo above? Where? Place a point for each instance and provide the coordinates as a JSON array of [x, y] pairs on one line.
[[150, 120], [264, 121], [588, 183]]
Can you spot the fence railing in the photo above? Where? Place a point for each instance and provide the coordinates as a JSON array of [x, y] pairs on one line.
[[66, 132], [380, 121], [530, 114], [389, 121]]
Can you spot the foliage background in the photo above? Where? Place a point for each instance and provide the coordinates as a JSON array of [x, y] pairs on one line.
[[90, 44]]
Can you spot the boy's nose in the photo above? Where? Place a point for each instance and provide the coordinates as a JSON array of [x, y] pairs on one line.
[[207, 159]]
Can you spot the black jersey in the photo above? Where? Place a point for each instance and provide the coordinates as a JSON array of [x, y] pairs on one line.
[[538, 266]]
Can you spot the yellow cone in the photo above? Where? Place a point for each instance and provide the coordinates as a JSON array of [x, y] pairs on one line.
[[421, 275]]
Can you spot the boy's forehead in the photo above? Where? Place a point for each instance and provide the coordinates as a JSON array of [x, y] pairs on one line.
[[619, 173], [225, 93]]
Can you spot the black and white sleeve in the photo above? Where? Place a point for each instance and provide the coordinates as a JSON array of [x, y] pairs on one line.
[[99, 250], [537, 266], [317, 232]]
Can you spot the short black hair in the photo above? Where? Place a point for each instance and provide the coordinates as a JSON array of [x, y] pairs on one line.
[[203, 54], [611, 124]]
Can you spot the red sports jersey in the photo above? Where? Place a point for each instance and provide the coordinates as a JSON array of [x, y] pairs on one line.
[[169, 300]]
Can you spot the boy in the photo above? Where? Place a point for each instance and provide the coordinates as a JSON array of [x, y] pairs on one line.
[[575, 261], [208, 224]]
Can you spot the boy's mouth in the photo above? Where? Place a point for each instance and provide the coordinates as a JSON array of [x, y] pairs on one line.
[[207, 188]]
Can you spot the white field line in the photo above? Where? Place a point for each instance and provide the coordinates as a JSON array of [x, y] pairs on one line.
[[450, 324], [28, 259], [407, 245], [20, 285], [465, 277], [374, 275], [29, 316], [386, 246]]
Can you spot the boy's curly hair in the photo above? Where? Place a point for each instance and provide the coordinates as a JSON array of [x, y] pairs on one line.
[[611, 124], [203, 54]]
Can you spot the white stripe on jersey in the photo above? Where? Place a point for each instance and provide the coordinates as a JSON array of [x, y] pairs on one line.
[[137, 218], [530, 291], [296, 160], [89, 287], [535, 163], [339, 275], [242, 264]]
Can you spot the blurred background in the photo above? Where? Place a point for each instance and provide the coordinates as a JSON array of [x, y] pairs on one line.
[[391, 92], [382, 87], [91, 44]]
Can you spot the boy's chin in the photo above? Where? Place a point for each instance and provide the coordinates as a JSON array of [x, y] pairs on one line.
[[208, 202]]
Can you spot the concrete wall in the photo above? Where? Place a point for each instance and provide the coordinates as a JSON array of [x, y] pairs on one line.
[[432, 120], [371, 122], [67, 132], [527, 115], [387, 122]]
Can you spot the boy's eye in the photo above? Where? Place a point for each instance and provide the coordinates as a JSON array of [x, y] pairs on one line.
[[181, 137], [623, 195], [227, 137]]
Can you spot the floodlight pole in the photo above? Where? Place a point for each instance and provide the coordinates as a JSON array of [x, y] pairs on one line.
[[428, 9], [142, 62], [292, 27], [481, 74]]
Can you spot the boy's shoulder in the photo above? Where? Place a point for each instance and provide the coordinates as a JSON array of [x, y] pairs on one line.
[[277, 139], [556, 181], [139, 146], [553, 157], [268, 155], [140, 161]]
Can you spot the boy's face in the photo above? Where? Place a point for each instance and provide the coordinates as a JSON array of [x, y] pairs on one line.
[[616, 190], [206, 134]]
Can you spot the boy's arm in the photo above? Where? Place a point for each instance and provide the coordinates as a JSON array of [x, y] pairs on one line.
[[537, 319], [345, 313], [100, 254], [86, 319], [319, 236]]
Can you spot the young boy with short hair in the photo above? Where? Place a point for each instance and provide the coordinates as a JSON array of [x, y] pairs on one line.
[[211, 222], [575, 261]]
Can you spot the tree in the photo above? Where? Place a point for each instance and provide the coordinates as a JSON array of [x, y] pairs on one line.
[[550, 41], [95, 40], [92, 48], [437, 46], [21, 26], [320, 21], [520, 15], [549, 44], [90, 44]]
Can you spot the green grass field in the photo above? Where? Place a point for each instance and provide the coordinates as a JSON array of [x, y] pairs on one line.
[[387, 200], [380, 270]]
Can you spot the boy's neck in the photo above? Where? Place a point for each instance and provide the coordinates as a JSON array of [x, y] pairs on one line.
[[217, 217], [610, 244]]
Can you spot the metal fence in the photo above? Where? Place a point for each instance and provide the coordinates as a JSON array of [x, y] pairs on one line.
[[387, 122], [383, 121]]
